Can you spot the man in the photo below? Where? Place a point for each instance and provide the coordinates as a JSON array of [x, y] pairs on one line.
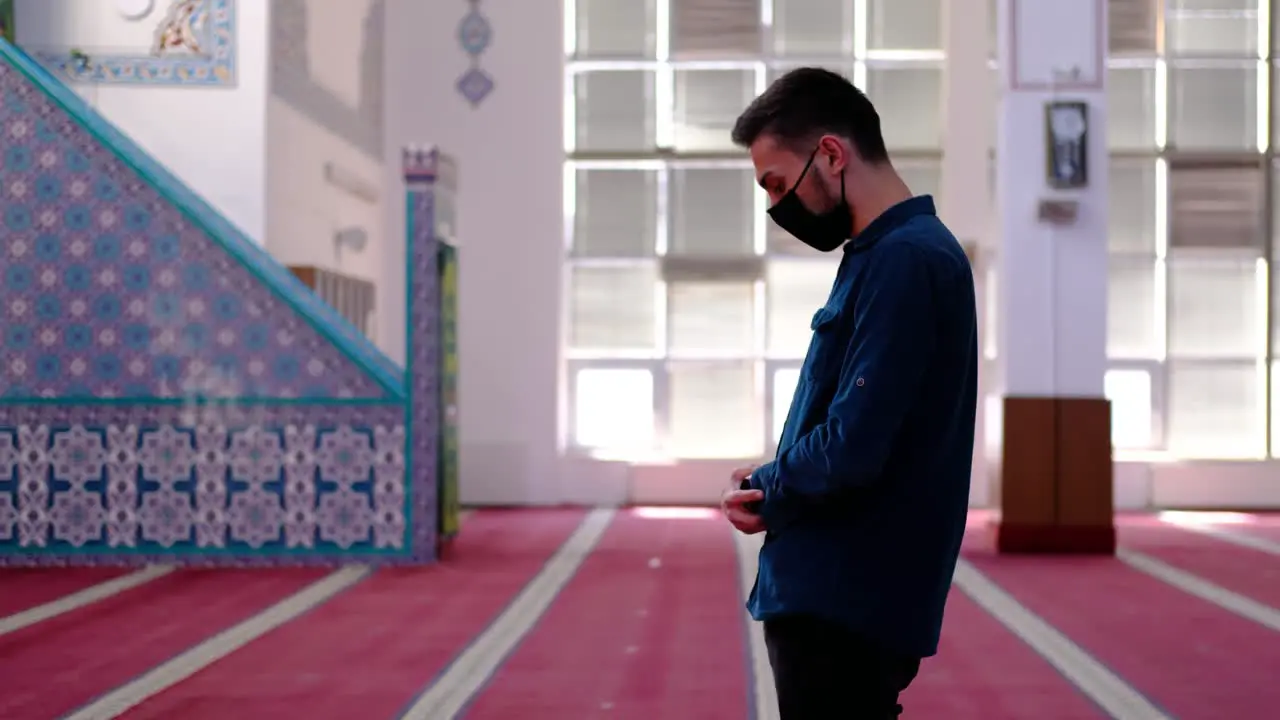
[[864, 506]]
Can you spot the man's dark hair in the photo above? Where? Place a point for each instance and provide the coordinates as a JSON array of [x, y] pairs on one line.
[[807, 103]]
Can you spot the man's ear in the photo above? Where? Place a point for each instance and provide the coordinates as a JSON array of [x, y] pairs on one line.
[[835, 151]]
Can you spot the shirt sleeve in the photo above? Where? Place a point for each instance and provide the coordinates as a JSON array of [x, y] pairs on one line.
[[894, 335]]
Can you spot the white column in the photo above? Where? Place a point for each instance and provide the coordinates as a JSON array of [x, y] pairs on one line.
[[510, 154], [966, 203], [1053, 278]]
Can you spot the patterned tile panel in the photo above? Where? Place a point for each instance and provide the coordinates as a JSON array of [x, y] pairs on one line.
[[207, 485], [118, 282]]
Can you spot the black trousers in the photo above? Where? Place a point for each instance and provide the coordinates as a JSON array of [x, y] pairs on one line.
[[822, 671]]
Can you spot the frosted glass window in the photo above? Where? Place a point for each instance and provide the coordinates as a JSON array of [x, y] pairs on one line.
[[615, 111], [1275, 310], [1216, 411], [785, 381], [713, 212], [904, 24], [777, 71], [716, 411], [1132, 219], [1214, 309], [1275, 409], [616, 28], [923, 176], [795, 290], [615, 213], [1131, 310], [714, 29], [1213, 27], [613, 408], [1132, 26], [707, 104], [612, 308], [812, 27], [1215, 206], [1131, 108], [1131, 407], [1213, 106], [712, 318], [908, 98]]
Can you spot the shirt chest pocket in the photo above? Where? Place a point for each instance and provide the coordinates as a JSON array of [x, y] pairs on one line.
[[826, 347]]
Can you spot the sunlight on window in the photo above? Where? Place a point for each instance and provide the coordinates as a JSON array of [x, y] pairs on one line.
[[1130, 394], [614, 409]]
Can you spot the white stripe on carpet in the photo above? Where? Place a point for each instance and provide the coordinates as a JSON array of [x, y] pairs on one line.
[[469, 672], [165, 676], [1094, 679], [81, 598], [1222, 533], [1247, 608]]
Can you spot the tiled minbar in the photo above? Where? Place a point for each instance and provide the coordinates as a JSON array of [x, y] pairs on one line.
[[171, 393]]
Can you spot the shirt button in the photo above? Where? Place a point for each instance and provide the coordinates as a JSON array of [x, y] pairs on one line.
[[860, 382]]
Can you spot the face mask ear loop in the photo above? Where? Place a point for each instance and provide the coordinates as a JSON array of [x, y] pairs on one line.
[[812, 156]]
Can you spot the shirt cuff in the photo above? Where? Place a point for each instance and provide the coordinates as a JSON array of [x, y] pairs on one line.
[[773, 510]]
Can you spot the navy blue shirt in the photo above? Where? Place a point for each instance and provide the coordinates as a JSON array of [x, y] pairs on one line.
[[865, 503]]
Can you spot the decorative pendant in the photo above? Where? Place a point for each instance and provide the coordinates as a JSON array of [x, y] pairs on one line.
[[475, 33]]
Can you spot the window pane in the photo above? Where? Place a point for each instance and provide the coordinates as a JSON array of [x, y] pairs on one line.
[[707, 104], [1131, 310], [613, 408], [611, 308], [909, 100], [1214, 309], [1275, 310], [812, 27], [1213, 107], [904, 24], [1132, 26], [615, 213], [713, 211], [615, 110], [714, 318], [716, 411], [1213, 27], [715, 28], [1215, 206], [1131, 411], [616, 28], [1275, 409], [923, 177], [1131, 108], [785, 381], [1215, 411], [777, 70], [795, 290], [1132, 221], [991, 321]]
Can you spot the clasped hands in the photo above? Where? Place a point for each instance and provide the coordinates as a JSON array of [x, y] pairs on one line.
[[736, 504]]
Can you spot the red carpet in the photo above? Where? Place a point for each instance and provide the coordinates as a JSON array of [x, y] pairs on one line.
[[54, 667], [1191, 658], [628, 637], [369, 651], [25, 588], [1242, 570], [984, 672], [650, 627]]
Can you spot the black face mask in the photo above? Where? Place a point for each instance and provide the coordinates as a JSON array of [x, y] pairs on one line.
[[823, 232]]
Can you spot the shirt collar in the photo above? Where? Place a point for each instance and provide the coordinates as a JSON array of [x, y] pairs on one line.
[[890, 220]]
